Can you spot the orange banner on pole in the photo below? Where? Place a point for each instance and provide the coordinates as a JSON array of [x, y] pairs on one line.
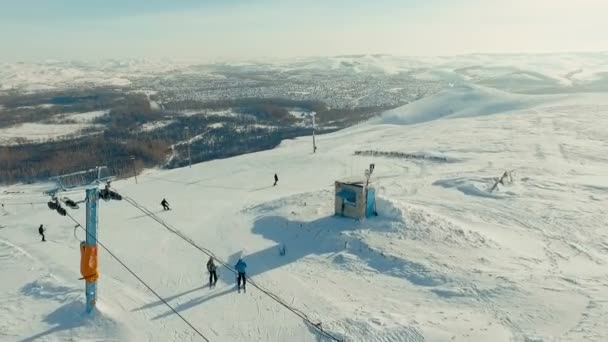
[[88, 263]]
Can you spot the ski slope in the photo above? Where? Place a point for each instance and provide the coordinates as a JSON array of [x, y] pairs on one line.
[[445, 260]]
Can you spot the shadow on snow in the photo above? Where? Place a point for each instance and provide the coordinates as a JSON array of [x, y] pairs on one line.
[[330, 237]]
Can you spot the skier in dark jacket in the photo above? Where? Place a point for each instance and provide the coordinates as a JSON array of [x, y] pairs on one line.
[[41, 232], [276, 179], [212, 268], [241, 268], [165, 204]]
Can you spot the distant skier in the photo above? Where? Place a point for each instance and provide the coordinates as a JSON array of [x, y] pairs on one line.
[[165, 204], [241, 268], [212, 268], [41, 232], [276, 179]]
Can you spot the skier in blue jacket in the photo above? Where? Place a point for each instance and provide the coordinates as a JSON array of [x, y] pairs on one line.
[[241, 268]]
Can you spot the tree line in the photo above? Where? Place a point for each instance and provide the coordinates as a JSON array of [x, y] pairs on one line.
[[125, 148], [36, 162]]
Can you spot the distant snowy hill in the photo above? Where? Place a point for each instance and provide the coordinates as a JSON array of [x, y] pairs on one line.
[[461, 101], [50, 75], [447, 259], [522, 73]]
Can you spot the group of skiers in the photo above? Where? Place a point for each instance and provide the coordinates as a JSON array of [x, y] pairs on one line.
[[240, 266], [241, 270]]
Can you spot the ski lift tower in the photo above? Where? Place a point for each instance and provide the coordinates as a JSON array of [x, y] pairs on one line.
[[88, 180]]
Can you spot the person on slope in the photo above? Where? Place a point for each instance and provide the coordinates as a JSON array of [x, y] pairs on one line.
[[165, 204], [276, 179], [241, 268], [212, 268], [41, 232]]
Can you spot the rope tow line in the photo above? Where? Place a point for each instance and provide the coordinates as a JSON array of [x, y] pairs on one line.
[[317, 326], [141, 280]]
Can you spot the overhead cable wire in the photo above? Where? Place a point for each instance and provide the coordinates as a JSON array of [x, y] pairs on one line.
[[140, 280], [303, 316], [22, 203]]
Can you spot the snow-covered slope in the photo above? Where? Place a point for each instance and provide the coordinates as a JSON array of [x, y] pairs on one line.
[[461, 101], [445, 260], [49, 75], [39, 133]]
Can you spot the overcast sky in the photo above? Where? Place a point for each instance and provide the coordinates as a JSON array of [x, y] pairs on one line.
[[241, 29]]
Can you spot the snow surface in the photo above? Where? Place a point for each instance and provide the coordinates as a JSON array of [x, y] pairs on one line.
[[544, 70], [85, 117], [445, 260], [51, 75], [554, 67], [224, 112], [300, 113], [216, 125], [462, 101], [38, 132], [255, 126], [44, 105], [154, 125]]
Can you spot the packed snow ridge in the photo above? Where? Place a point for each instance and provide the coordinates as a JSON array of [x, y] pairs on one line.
[[452, 256]]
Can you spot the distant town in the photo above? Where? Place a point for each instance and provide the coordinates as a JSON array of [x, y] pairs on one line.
[[134, 116]]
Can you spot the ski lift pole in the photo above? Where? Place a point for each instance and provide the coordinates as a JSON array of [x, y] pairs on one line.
[[88, 248], [368, 174], [314, 144], [91, 240], [132, 158], [188, 144]]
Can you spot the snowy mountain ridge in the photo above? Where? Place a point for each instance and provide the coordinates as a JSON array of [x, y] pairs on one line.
[[536, 70]]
